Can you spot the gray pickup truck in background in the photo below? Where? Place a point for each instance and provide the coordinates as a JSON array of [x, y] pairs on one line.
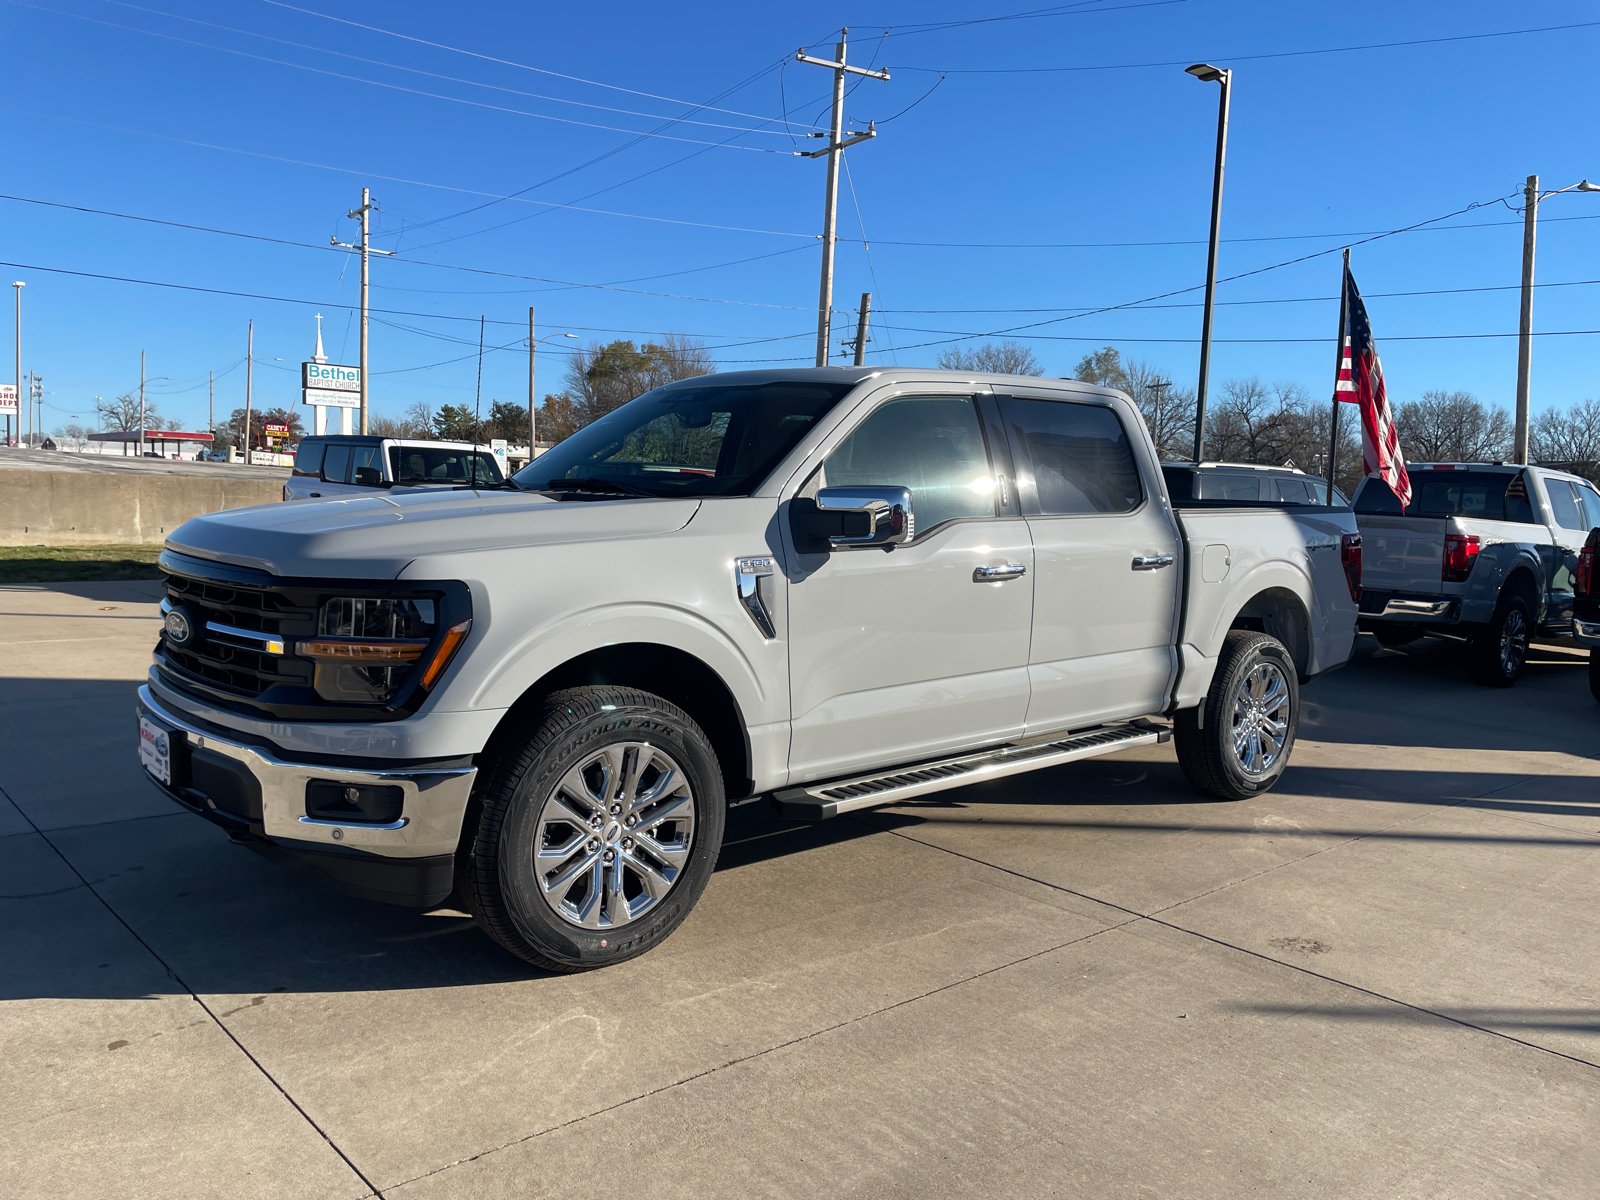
[[836, 589], [1485, 552]]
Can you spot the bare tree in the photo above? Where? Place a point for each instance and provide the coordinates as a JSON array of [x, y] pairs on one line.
[[1168, 414], [1568, 438], [1452, 427], [1006, 358], [604, 377], [123, 413]]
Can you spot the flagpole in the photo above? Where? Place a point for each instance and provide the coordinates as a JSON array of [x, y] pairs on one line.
[[1338, 365]]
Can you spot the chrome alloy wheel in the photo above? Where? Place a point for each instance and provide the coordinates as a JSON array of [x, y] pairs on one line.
[[1513, 641], [614, 835], [1260, 718]]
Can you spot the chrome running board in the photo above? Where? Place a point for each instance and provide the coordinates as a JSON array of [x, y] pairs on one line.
[[819, 801]]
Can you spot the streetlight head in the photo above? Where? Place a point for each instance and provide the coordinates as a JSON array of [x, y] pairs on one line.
[[1586, 186], [1205, 72], [573, 335], [19, 283]]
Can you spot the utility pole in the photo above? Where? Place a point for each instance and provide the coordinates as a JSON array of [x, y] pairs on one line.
[[859, 345], [530, 384], [211, 404], [1530, 217], [141, 404], [364, 214], [830, 207], [249, 376], [18, 286], [36, 404]]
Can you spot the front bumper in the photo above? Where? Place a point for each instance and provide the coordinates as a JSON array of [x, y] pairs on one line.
[[1586, 633], [261, 800]]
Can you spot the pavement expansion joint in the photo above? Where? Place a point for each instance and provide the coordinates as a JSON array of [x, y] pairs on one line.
[[372, 1189], [758, 1054], [1216, 941]]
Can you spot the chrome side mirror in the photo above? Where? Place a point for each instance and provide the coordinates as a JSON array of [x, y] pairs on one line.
[[887, 512]]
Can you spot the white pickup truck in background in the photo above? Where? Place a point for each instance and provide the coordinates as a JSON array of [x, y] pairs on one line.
[[837, 588], [1485, 552]]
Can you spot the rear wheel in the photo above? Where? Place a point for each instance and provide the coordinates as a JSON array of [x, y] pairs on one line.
[[1242, 746], [598, 827], [1500, 650]]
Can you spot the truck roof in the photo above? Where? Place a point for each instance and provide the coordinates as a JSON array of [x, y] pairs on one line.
[[887, 374]]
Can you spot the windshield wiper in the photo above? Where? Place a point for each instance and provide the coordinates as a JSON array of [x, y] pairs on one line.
[[592, 484]]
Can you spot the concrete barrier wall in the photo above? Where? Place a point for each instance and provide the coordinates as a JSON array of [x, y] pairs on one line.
[[58, 508]]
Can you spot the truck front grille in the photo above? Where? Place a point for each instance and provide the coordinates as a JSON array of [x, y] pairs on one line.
[[229, 662]]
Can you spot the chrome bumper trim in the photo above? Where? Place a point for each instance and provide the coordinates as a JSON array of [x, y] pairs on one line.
[[434, 802], [1417, 608]]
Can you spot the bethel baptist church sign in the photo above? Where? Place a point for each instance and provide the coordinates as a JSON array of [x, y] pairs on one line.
[[330, 385]]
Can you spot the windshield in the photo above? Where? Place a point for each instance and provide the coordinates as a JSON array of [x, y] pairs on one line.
[[706, 440], [441, 464]]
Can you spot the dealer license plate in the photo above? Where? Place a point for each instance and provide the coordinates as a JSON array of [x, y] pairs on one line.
[[155, 750]]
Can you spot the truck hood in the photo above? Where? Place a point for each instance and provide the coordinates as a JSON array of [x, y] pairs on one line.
[[374, 537]]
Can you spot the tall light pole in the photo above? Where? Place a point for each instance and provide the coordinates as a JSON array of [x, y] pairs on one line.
[[19, 285], [1209, 74], [141, 404], [364, 213], [533, 344], [830, 209], [1530, 217]]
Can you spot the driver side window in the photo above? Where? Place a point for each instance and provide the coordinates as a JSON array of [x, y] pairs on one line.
[[930, 444]]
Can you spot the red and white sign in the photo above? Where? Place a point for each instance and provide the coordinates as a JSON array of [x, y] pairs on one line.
[[8, 399]]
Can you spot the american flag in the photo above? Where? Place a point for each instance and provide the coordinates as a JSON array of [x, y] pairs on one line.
[[1361, 383]]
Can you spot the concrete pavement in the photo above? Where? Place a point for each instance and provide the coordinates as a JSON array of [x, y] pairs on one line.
[[1376, 981]]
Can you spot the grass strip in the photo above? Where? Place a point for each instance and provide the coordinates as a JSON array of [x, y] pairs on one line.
[[77, 564]]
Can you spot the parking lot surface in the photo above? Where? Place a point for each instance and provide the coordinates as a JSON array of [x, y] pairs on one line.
[[1376, 981]]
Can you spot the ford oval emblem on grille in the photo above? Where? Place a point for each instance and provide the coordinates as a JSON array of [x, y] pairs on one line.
[[179, 630]]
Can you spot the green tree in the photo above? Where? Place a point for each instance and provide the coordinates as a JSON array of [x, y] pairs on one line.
[[457, 423], [1103, 367], [602, 378]]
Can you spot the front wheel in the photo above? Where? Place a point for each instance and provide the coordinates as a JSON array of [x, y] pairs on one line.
[[1500, 650], [598, 826], [1242, 746], [1594, 672]]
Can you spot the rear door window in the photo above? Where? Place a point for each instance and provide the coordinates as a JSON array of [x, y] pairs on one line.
[[308, 456], [336, 463], [365, 456], [1079, 455], [1564, 504], [1300, 491], [1232, 485], [1589, 502]]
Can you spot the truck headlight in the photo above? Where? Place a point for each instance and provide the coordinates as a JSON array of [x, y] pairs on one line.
[[367, 648]]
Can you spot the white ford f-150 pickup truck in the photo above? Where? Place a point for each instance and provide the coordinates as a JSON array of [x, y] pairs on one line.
[[835, 588]]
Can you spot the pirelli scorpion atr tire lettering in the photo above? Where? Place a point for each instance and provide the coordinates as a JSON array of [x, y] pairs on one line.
[[1242, 746], [598, 827]]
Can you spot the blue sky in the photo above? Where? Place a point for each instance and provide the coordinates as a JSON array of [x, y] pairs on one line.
[[997, 192]]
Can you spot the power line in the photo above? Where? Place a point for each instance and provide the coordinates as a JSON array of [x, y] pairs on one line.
[[1059, 10], [394, 87], [378, 62], [443, 187], [505, 62], [1180, 62]]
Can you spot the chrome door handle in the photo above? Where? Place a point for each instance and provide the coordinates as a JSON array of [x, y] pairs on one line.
[[1152, 562], [998, 574]]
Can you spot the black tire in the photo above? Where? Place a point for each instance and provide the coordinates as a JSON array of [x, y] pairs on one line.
[[1395, 634], [1499, 650], [498, 876], [1206, 749], [1594, 672]]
